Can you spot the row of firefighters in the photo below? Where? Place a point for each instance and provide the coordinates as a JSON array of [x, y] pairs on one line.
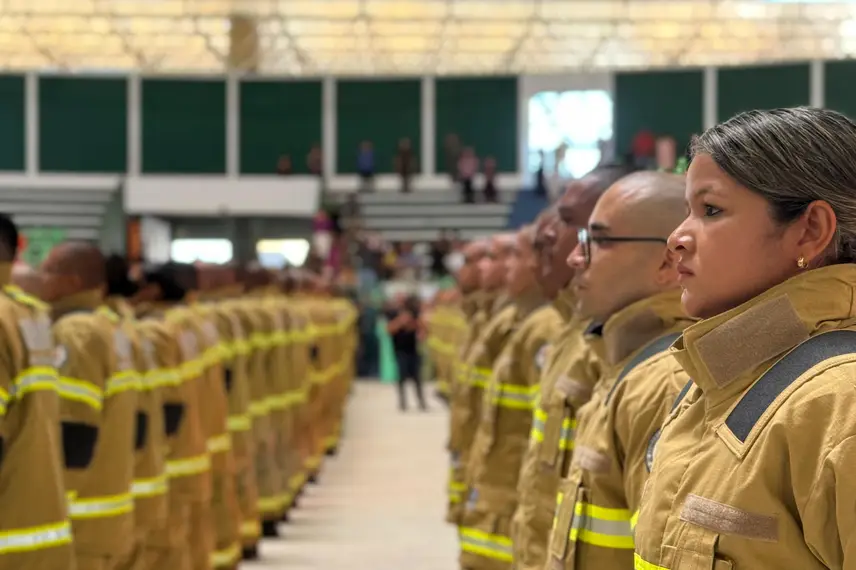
[[168, 434]]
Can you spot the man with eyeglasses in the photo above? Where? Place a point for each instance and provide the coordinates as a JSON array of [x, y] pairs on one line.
[[626, 281]]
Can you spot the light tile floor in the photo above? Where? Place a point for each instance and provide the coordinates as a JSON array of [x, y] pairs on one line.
[[380, 502]]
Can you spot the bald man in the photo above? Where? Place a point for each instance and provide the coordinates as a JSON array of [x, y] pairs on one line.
[[99, 386], [626, 279]]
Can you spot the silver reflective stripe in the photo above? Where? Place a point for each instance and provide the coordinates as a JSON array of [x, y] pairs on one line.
[[81, 391], [149, 487], [96, 508], [35, 538]]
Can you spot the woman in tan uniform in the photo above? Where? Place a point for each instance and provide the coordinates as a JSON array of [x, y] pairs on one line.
[[753, 469]]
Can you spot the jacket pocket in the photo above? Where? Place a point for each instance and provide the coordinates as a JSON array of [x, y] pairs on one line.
[[562, 547]]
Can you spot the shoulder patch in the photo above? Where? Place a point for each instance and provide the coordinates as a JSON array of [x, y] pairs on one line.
[[60, 356], [122, 346], [541, 356]]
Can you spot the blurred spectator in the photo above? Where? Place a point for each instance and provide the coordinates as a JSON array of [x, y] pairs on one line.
[[370, 254], [643, 149], [284, 166], [490, 192], [540, 176], [407, 262], [315, 160], [452, 149], [322, 236], [405, 163], [666, 154], [403, 326], [350, 215], [440, 249], [468, 166], [366, 166]]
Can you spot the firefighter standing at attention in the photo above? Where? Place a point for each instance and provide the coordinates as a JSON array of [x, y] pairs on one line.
[[35, 533]]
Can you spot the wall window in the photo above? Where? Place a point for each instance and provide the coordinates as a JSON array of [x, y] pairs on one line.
[[201, 250], [277, 253], [571, 128]]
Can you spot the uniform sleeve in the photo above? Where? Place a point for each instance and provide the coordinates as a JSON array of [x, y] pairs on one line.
[[829, 519], [638, 412], [82, 386]]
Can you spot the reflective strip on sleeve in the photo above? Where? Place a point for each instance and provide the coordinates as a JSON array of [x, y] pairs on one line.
[[101, 507], [601, 526], [151, 487], [240, 422], [640, 564], [480, 377], [539, 418], [81, 391], [35, 538], [259, 408], [35, 379], [251, 529], [566, 439], [634, 519], [162, 377], [514, 397], [481, 543], [189, 466], [226, 557], [220, 443], [122, 382]]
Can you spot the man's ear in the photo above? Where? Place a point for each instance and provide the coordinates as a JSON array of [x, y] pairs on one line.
[[667, 274]]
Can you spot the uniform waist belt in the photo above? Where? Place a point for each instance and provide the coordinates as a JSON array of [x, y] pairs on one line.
[[101, 507], [35, 538]]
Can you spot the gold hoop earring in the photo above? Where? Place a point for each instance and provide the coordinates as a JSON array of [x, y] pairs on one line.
[[801, 262]]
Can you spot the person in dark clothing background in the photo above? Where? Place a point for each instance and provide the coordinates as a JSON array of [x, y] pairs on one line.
[[403, 327]]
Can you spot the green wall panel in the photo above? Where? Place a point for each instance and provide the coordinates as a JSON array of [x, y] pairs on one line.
[[662, 102], [483, 113], [184, 126], [764, 87], [278, 118], [13, 119], [840, 87], [382, 112], [83, 124]]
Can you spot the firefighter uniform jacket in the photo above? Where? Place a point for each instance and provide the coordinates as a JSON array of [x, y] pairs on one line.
[[598, 498], [35, 533]]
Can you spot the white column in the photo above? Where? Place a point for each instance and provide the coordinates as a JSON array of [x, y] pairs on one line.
[[817, 84], [31, 117], [135, 125], [328, 127], [710, 98], [233, 120], [429, 133]]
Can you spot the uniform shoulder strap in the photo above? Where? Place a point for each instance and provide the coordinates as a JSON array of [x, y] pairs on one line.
[[650, 350], [782, 374]]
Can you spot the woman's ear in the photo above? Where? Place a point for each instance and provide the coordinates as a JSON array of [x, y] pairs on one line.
[[816, 228]]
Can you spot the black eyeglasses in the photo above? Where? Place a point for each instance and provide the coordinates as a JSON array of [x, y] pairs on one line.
[[585, 240]]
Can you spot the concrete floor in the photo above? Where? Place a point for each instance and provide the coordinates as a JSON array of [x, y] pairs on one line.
[[380, 502]]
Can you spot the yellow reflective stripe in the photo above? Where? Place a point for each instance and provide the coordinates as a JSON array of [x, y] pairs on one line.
[[219, 443], [251, 529], [34, 379], [151, 487], [514, 396], [80, 391], [191, 369], [161, 377], [122, 382], [28, 539], [241, 422], [276, 402], [242, 347], [226, 557], [279, 338], [480, 377], [259, 408], [634, 519], [481, 543], [260, 340], [101, 507], [602, 526], [270, 504], [189, 466], [640, 564]]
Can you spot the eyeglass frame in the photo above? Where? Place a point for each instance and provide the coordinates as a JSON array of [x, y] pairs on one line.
[[585, 239]]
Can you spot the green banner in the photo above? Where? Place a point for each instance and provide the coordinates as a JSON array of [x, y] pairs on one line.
[[39, 242]]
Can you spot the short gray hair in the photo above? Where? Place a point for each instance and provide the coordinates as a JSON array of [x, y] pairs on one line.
[[792, 157]]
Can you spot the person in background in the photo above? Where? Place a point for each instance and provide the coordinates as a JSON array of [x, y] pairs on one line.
[[490, 192], [403, 326], [439, 250], [284, 166], [408, 262], [468, 167], [666, 154], [452, 149], [405, 163], [315, 160], [541, 176], [366, 166]]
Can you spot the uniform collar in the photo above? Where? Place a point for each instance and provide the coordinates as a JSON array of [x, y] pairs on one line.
[[726, 353], [88, 300], [638, 324], [469, 303], [5, 274], [565, 303]]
